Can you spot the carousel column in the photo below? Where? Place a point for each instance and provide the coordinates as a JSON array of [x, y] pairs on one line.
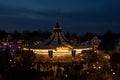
[[50, 54], [73, 55]]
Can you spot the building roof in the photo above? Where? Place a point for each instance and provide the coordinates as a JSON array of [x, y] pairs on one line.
[[57, 39]]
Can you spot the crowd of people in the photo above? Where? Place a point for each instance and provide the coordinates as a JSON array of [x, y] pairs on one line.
[[73, 71]]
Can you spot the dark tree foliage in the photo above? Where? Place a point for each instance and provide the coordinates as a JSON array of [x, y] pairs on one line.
[[115, 58], [68, 35], [90, 56], [46, 35], [16, 36], [74, 36], [115, 62], [26, 59], [4, 58], [26, 35], [108, 41], [86, 37], [36, 35], [3, 34]]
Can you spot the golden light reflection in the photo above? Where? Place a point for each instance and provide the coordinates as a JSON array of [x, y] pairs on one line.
[[113, 73], [107, 57], [59, 51]]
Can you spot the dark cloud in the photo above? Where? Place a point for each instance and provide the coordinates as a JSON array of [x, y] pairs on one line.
[[75, 15]]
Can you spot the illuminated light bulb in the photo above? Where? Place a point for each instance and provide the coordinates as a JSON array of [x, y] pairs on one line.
[[87, 72], [99, 67], [111, 69], [66, 75], [10, 60], [113, 73], [30, 67], [94, 67]]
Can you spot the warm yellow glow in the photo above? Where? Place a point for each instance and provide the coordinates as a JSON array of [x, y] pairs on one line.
[[107, 57], [81, 55], [111, 69], [99, 67], [31, 67], [94, 67], [10, 60], [95, 51], [88, 73], [19, 47], [59, 51], [25, 49], [113, 73], [62, 48]]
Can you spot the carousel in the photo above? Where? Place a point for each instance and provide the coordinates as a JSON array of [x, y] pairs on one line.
[[57, 46]]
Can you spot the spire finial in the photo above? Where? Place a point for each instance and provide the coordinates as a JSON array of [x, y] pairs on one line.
[[57, 27]]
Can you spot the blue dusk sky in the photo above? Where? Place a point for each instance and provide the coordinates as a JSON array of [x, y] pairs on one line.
[[80, 16]]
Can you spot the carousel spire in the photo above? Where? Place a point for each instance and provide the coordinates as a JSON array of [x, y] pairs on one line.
[[57, 28], [57, 38]]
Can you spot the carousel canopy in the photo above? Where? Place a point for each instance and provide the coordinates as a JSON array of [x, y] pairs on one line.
[[57, 39]]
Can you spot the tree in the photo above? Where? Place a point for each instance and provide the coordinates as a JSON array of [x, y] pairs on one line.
[[5, 58], [115, 59], [90, 56], [17, 36], [67, 35], [88, 36], [108, 41], [3, 34], [46, 35]]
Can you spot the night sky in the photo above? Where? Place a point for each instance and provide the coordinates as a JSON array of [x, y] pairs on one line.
[[80, 16]]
